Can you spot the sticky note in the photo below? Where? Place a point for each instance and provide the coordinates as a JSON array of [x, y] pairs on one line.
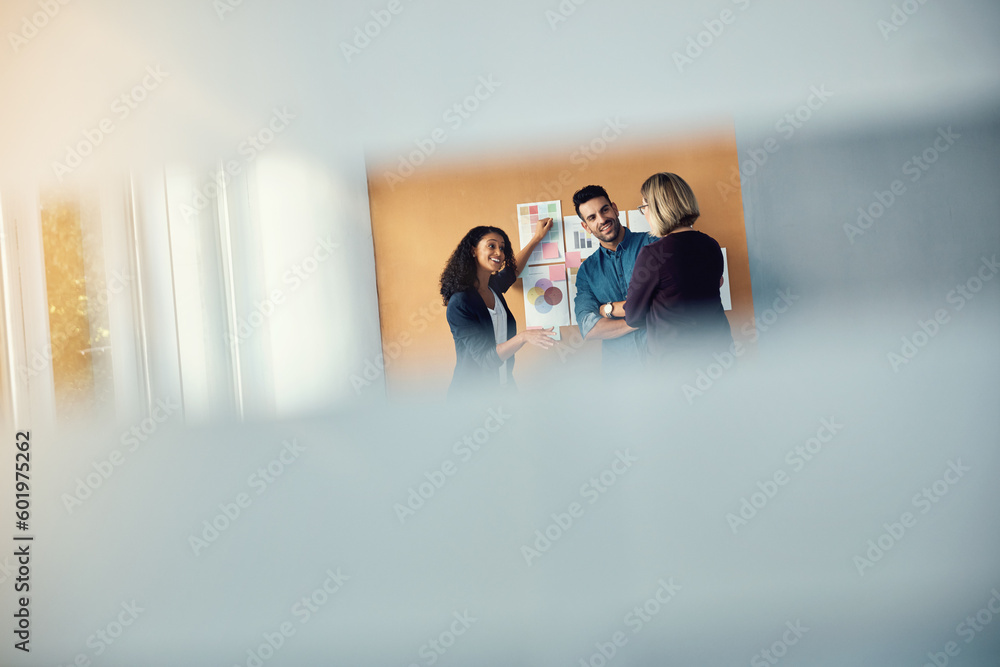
[[573, 259], [550, 251], [557, 272]]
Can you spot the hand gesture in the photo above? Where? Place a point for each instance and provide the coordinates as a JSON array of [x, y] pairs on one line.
[[542, 228], [539, 337]]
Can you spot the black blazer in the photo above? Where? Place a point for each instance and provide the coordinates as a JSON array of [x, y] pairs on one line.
[[477, 364]]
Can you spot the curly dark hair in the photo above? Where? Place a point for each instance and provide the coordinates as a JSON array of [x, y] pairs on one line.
[[460, 272]]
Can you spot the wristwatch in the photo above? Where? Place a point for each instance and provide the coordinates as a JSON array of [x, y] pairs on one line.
[[607, 309]]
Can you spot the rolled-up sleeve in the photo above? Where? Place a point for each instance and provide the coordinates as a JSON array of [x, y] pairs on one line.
[[471, 339], [586, 304]]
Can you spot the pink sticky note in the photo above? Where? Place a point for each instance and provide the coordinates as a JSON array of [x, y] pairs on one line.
[[550, 251], [557, 272], [573, 259]]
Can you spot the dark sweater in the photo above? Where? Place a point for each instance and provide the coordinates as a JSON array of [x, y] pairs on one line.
[[674, 293]]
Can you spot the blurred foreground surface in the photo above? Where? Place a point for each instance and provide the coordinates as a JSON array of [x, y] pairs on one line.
[[811, 503]]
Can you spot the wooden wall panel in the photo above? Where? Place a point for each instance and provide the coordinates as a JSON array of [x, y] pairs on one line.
[[417, 224]]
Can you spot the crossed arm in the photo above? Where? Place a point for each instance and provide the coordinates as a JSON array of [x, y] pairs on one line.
[[595, 326], [592, 325], [605, 328]]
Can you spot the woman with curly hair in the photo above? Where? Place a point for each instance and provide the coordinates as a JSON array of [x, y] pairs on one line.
[[478, 273]]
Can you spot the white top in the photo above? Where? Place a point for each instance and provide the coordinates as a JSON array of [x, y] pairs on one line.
[[499, 315]]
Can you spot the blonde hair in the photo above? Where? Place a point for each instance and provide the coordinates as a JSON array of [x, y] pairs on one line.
[[672, 204]]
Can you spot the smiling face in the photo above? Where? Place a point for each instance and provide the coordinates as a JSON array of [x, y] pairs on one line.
[[600, 217], [489, 252]]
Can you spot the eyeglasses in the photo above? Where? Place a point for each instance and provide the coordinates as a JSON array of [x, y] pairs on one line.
[[642, 208]]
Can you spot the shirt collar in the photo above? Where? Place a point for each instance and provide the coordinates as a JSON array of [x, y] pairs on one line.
[[626, 240]]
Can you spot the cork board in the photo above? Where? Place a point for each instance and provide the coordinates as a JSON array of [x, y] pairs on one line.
[[417, 223]]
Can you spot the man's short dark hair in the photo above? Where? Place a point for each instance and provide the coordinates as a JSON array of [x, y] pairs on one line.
[[586, 194]]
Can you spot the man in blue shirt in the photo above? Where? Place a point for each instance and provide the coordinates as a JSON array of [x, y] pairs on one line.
[[603, 278]]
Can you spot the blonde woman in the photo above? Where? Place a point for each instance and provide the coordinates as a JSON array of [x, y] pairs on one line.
[[674, 291]]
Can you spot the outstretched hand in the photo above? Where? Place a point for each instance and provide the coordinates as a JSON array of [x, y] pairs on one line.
[[539, 337]]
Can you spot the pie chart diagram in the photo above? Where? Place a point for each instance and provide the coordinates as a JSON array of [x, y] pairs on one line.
[[544, 295]]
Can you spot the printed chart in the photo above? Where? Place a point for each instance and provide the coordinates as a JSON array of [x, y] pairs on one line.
[[550, 249], [571, 272], [637, 222], [545, 299], [580, 243], [727, 299]]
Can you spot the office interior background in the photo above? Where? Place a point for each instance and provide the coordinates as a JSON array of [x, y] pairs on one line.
[[190, 297]]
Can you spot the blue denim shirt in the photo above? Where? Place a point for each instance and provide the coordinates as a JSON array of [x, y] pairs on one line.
[[604, 277]]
